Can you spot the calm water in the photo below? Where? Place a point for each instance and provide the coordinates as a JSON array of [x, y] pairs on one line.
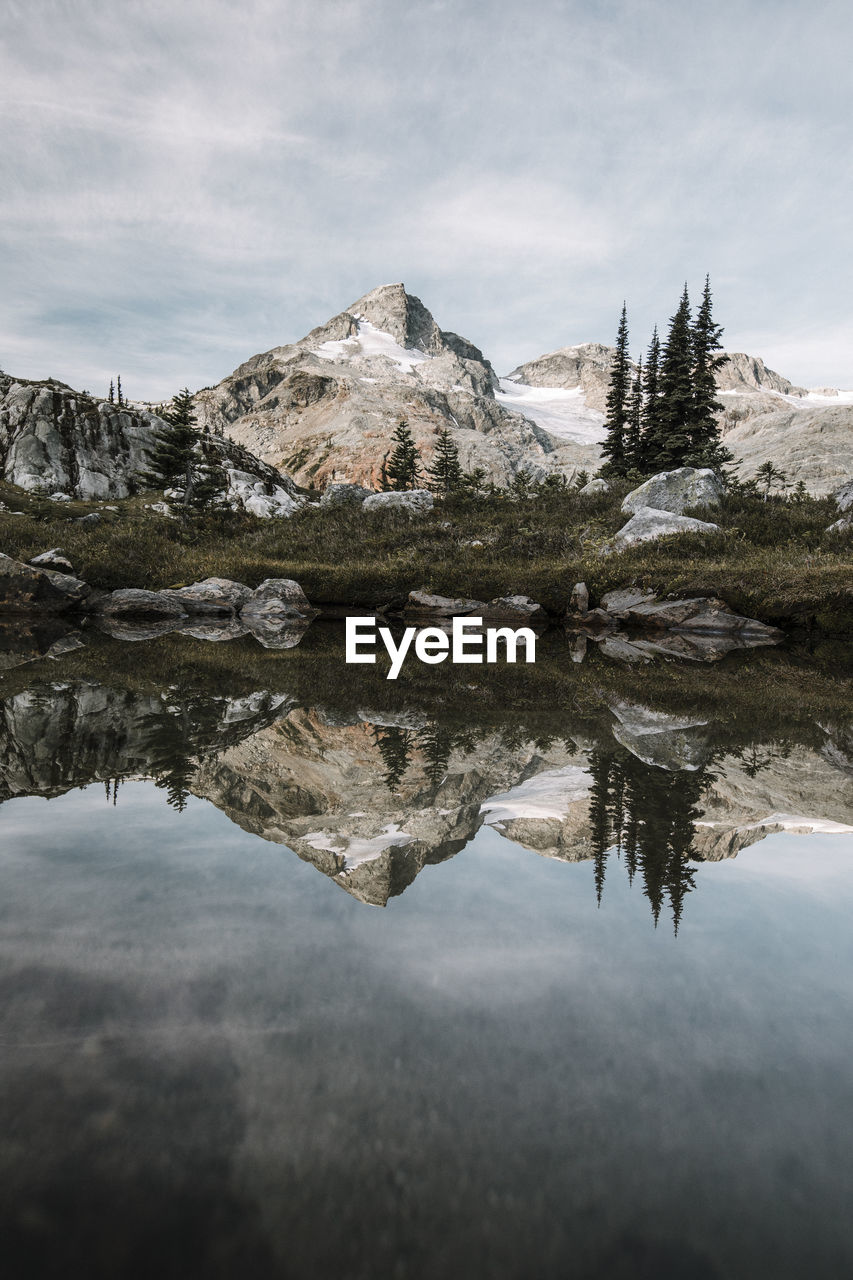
[[575, 1002]]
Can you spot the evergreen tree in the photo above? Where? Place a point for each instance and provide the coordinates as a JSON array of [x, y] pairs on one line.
[[445, 473], [403, 467], [617, 402], [676, 390], [651, 418], [209, 479], [112, 392], [705, 448], [171, 460], [118, 391], [634, 424]]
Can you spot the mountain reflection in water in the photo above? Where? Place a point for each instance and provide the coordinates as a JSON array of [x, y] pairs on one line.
[[372, 796], [214, 1062]]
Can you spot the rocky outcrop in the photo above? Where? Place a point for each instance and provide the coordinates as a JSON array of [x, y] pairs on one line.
[[65, 443], [743, 373], [648, 524], [844, 496], [343, 495], [585, 367], [278, 597], [675, 491], [518, 609], [216, 596], [701, 614], [323, 409]]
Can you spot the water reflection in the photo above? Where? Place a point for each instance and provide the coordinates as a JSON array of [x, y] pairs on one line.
[[372, 796]]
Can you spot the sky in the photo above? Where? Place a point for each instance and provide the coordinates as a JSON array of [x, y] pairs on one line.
[[185, 184]]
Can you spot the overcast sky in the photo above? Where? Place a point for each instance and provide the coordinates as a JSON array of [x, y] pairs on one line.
[[183, 184]]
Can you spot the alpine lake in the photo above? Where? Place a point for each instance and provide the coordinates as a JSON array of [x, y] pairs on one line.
[[514, 971]]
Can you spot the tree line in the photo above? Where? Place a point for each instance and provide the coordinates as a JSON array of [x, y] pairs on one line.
[[661, 414]]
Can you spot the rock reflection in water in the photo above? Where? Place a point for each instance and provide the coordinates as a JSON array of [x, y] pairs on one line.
[[371, 797]]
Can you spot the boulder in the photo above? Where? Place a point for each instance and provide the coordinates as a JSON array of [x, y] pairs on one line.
[[249, 493], [595, 486], [92, 518], [579, 600], [514, 609], [215, 629], [844, 496], [415, 502], [844, 525], [277, 632], [212, 596], [620, 601], [54, 559], [343, 495], [277, 597], [700, 614], [27, 589], [442, 606], [649, 523], [132, 602], [675, 491]]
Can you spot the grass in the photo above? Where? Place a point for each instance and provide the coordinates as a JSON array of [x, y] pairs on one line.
[[771, 560]]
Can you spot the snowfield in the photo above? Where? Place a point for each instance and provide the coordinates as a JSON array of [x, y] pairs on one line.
[[563, 414], [368, 343]]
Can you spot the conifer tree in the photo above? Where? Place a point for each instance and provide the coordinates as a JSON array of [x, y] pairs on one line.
[[705, 448], [617, 401], [676, 390], [172, 457], [118, 391], [403, 467], [445, 473], [651, 420], [634, 424], [112, 392], [209, 479]]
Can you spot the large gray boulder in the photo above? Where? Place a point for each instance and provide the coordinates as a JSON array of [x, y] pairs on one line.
[[415, 502], [55, 559], [219, 596], [675, 491], [595, 486], [277, 598], [648, 524], [423, 602], [703, 614], [27, 589], [343, 495], [133, 602]]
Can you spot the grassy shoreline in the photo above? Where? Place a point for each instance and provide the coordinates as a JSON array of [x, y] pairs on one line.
[[771, 560]]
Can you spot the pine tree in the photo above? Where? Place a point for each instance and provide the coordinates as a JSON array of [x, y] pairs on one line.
[[676, 390], [172, 458], [651, 418], [209, 479], [705, 448], [634, 424], [445, 473], [118, 391], [617, 402], [403, 467], [112, 392]]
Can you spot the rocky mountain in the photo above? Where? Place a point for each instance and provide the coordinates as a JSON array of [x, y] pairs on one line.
[[324, 408], [56, 440]]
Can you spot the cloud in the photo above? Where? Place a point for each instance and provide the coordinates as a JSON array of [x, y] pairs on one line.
[[183, 185]]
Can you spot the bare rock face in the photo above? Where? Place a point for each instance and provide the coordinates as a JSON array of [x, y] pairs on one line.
[[741, 372], [844, 497], [324, 409], [343, 495], [648, 523], [55, 439], [586, 367], [676, 491], [809, 444]]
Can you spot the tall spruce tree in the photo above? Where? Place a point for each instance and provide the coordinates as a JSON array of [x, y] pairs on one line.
[[112, 392], [445, 473], [119, 396], [634, 424], [172, 458], [403, 467], [705, 447], [676, 390], [617, 402], [651, 420]]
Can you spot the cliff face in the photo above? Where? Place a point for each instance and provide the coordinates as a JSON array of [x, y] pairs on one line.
[[57, 439], [324, 408]]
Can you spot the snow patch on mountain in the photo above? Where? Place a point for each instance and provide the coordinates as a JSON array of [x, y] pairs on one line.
[[547, 795], [561, 412], [368, 343]]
